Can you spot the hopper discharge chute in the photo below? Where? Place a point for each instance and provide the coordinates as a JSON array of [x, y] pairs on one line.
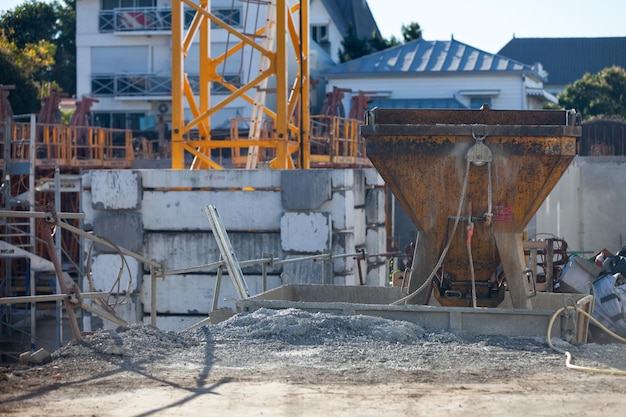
[[470, 180]]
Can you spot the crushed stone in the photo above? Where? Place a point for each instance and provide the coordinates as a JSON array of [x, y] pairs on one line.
[[338, 346]]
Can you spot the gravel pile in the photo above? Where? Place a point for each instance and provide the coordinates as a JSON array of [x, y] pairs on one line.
[[300, 345]]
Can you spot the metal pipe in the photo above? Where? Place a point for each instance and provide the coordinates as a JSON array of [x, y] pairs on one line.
[[218, 285], [49, 297], [108, 244], [153, 296], [59, 272], [58, 258], [31, 227], [40, 214], [111, 317]]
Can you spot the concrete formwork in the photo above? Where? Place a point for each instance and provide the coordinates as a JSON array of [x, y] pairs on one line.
[[285, 214]]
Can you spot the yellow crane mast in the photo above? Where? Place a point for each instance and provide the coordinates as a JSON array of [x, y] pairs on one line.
[[291, 117]]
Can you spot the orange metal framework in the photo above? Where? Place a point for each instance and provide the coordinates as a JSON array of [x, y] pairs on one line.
[[289, 133], [70, 147]]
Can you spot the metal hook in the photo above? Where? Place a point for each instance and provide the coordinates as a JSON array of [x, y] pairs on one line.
[[481, 137]]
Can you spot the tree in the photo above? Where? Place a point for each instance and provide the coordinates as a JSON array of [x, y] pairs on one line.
[[23, 67], [354, 47], [600, 94], [55, 22], [411, 32]]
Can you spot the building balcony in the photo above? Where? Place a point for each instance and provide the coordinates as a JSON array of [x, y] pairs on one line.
[[154, 20], [134, 86], [141, 86]]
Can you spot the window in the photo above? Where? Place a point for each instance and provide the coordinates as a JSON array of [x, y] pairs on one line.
[[477, 102], [116, 4], [129, 121], [319, 33], [120, 59]]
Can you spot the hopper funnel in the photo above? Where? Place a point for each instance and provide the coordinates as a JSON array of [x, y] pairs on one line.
[[470, 180]]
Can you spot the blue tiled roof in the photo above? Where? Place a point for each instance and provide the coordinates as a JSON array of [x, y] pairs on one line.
[[428, 57]]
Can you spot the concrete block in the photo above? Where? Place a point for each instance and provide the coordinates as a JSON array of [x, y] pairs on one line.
[[343, 243], [193, 294], [105, 269], [126, 309], [86, 179], [373, 178], [305, 232], [359, 188], [305, 190], [87, 208], [359, 226], [24, 358], [376, 243], [342, 178], [115, 190], [40, 356], [184, 210], [306, 272], [185, 250], [343, 280], [377, 275], [121, 228], [341, 209], [210, 179], [375, 206]]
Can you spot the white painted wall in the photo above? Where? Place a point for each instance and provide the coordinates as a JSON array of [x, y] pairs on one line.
[[511, 87], [586, 206]]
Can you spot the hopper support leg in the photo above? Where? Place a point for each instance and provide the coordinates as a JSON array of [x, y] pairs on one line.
[[512, 257]]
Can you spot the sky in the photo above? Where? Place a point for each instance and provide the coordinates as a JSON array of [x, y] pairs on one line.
[[489, 24]]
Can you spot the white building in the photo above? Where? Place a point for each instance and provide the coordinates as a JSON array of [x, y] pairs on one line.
[[124, 54], [441, 74]]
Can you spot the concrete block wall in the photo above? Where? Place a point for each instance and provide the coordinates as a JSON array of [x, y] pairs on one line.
[[288, 214]]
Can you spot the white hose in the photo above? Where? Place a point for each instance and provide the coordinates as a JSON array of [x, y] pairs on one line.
[[568, 356]]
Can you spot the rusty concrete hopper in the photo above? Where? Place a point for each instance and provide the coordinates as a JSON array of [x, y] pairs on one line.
[[470, 180]]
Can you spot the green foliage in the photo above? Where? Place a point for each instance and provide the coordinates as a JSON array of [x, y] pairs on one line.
[[39, 38], [411, 32], [23, 98], [353, 47], [601, 94], [25, 67]]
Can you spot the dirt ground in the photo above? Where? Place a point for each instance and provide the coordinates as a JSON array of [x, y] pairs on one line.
[[313, 364]]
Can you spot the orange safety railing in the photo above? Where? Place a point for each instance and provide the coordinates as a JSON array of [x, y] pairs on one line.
[[73, 146], [334, 142]]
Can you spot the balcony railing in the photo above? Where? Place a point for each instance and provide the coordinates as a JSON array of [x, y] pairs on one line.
[[135, 85], [152, 19], [136, 19]]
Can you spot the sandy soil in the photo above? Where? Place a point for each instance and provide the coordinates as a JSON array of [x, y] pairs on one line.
[[292, 363]]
